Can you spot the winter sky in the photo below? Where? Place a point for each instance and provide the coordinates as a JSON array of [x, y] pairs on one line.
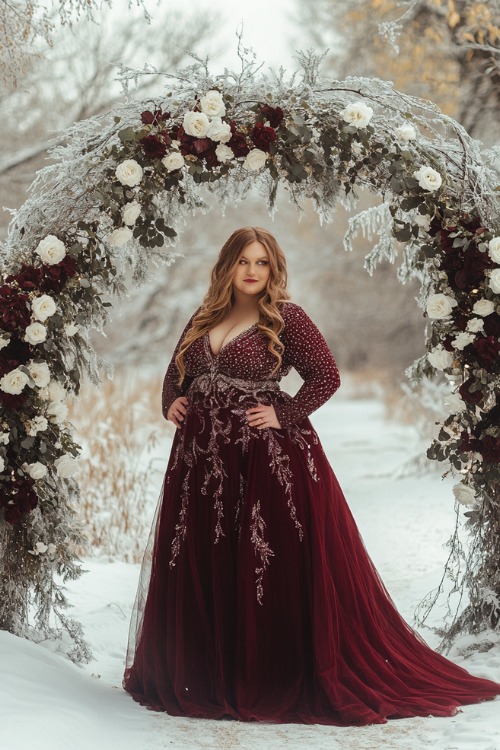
[[268, 27]]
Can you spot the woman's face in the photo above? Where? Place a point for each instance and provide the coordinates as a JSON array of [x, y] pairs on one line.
[[252, 269]]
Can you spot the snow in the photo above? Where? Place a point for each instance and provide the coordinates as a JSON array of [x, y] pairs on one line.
[[50, 703]]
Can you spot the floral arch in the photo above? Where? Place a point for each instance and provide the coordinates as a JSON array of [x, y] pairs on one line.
[[114, 200]]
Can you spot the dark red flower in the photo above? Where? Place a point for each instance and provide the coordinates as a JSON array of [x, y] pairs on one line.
[[263, 136], [274, 115], [56, 275], [468, 443], [492, 325], [12, 514], [154, 147], [487, 350], [27, 499], [14, 312], [155, 117], [490, 449], [28, 278], [470, 397], [238, 142]]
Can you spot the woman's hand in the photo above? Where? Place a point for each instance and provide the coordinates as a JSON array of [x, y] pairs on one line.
[[177, 410], [262, 416]]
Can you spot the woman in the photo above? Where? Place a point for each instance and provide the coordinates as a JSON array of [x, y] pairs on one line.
[[257, 598]]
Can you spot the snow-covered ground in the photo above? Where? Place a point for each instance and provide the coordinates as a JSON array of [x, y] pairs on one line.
[[48, 703]]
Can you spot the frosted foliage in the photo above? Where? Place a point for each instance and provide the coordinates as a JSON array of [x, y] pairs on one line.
[[315, 154]]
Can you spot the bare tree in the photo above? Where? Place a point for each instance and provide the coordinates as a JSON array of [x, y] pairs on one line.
[[444, 50], [76, 80]]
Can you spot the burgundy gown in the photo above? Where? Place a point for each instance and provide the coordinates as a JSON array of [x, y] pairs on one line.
[[257, 599]]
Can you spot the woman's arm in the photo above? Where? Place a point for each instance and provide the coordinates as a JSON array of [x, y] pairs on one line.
[[171, 390], [307, 351]]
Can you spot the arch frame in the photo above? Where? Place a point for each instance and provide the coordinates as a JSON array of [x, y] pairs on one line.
[[114, 200]]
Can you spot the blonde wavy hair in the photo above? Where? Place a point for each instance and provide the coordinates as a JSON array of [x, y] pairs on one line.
[[219, 298]]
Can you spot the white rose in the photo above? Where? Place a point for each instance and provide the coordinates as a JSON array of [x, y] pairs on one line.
[[475, 325], [51, 250], [212, 104], [4, 438], [43, 307], [196, 123], [494, 249], [57, 412], [405, 133], [428, 178], [36, 470], [255, 160], [129, 173], [4, 340], [40, 548], [219, 131], [358, 114], [35, 333], [57, 391], [2, 464], [38, 424], [14, 381], [40, 373], [65, 465], [173, 161], [483, 307], [440, 358], [51, 549], [130, 212], [440, 306], [462, 340], [224, 153], [464, 494], [495, 281], [70, 329], [455, 403], [120, 237]]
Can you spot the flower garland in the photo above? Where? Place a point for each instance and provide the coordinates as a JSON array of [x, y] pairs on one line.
[[146, 168]]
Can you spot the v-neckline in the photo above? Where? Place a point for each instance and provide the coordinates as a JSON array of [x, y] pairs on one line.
[[207, 336]]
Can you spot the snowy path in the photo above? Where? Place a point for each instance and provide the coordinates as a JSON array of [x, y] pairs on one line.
[[48, 702]]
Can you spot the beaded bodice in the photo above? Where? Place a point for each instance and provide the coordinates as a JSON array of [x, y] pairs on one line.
[[246, 362]]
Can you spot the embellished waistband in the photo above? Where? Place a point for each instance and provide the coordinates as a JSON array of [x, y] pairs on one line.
[[208, 380]]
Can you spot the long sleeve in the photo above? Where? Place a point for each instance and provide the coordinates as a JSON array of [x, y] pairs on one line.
[[307, 351], [171, 390]]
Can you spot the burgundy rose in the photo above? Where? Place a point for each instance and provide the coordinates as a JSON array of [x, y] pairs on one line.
[[468, 443], [155, 117], [492, 325], [263, 136], [153, 147], [27, 499], [12, 514], [28, 278], [17, 352], [14, 401], [490, 419], [274, 115], [55, 276], [470, 397], [187, 147], [201, 145], [490, 449], [487, 350], [460, 319], [14, 312], [238, 141]]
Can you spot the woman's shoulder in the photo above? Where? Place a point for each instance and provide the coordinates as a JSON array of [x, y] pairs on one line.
[[291, 311]]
